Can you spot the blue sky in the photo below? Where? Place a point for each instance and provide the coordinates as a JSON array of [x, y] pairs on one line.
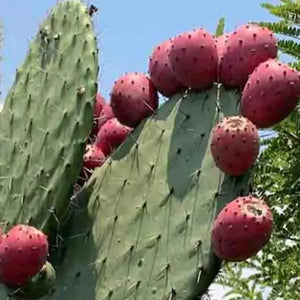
[[127, 30]]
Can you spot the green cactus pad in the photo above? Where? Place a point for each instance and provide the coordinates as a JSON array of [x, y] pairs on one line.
[[47, 117], [145, 233]]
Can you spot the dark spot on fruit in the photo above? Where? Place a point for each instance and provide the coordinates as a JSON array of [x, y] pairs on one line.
[[178, 151], [195, 59]]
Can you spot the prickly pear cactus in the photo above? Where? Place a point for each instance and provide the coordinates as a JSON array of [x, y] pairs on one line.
[[145, 231], [47, 117]]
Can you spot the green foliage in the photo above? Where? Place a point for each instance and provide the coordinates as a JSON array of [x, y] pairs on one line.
[[276, 179], [289, 10], [220, 27]]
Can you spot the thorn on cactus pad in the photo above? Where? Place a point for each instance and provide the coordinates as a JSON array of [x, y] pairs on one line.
[[80, 90]]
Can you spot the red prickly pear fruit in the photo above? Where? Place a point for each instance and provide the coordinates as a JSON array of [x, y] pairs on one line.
[[242, 229], [23, 252], [105, 115], [98, 106], [111, 135], [235, 145], [194, 59], [221, 42], [93, 157], [270, 94], [245, 49], [133, 98], [160, 70]]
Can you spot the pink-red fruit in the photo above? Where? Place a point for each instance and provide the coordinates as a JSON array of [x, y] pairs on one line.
[[111, 135], [235, 145], [270, 94], [133, 98], [98, 106], [161, 72], [241, 229], [93, 157], [105, 115], [245, 49], [221, 42], [23, 252], [194, 59]]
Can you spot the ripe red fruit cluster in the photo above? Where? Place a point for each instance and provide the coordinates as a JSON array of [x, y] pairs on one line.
[[244, 59], [235, 145], [23, 252]]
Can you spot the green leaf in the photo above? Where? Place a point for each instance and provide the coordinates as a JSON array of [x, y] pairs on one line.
[[220, 27]]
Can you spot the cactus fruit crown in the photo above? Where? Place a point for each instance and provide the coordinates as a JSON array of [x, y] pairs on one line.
[[164, 192]]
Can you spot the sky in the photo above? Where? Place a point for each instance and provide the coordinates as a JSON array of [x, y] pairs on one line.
[[127, 32]]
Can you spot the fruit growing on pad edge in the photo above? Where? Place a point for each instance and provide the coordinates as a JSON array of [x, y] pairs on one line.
[[270, 94], [194, 59], [246, 47], [161, 72], [242, 228], [235, 145], [23, 252], [133, 98]]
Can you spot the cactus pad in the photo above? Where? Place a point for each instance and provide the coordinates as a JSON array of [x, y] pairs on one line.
[[47, 117], [145, 232]]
